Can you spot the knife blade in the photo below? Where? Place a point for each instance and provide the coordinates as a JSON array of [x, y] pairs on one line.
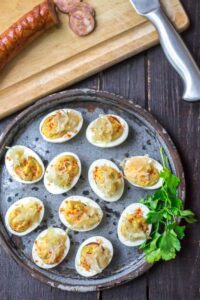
[[173, 46], [143, 7]]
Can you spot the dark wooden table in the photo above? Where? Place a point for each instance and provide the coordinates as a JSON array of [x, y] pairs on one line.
[[151, 82]]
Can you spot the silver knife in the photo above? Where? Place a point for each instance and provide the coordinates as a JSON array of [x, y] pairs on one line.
[[173, 46]]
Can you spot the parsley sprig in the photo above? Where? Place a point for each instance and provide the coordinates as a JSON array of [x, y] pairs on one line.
[[166, 212]]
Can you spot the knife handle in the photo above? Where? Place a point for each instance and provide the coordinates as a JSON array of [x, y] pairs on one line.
[[177, 54]]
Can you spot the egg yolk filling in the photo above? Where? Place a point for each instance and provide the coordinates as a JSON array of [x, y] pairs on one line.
[[107, 179], [25, 166], [134, 226], [64, 171], [95, 257], [60, 124], [107, 129], [51, 247], [80, 215], [23, 216], [28, 169], [141, 171]]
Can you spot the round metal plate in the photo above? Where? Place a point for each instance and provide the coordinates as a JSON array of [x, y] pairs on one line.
[[146, 137]]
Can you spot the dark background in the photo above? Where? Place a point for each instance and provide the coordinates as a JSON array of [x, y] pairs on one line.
[[150, 81]]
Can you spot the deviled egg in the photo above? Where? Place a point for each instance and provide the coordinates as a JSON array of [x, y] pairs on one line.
[[24, 165], [61, 125], [107, 131], [133, 229], [24, 216], [50, 248], [80, 213], [62, 173], [106, 180], [93, 256], [143, 171]]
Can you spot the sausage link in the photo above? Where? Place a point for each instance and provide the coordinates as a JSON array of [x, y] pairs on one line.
[[26, 29]]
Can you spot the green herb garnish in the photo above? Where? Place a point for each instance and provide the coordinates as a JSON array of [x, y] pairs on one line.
[[166, 212]]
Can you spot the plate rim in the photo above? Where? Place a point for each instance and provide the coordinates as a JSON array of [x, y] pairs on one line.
[[128, 104]]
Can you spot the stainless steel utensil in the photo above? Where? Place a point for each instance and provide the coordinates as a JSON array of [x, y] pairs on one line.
[[173, 46]]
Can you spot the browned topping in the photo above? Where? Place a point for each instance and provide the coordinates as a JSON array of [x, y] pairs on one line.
[[51, 246], [134, 226], [95, 257], [64, 170], [61, 124], [108, 180], [141, 171], [107, 129], [29, 169], [23, 216], [80, 215]]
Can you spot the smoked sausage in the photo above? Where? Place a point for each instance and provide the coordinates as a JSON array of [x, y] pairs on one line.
[[84, 7], [81, 23], [65, 6], [81, 15], [26, 29]]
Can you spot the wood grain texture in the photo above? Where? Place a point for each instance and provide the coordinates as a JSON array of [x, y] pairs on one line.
[[136, 290], [179, 279], [127, 79], [17, 284], [120, 34], [60, 295]]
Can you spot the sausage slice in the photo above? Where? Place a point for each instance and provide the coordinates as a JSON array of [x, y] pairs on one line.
[[81, 23], [85, 7], [65, 6]]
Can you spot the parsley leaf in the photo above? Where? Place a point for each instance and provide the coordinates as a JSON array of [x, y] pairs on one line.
[[154, 217], [166, 211], [180, 231], [188, 216], [169, 244]]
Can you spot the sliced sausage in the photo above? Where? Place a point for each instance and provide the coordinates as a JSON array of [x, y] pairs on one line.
[[26, 29], [66, 6], [81, 23], [85, 7]]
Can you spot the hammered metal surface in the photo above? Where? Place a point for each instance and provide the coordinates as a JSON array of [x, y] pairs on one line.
[[143, 139]]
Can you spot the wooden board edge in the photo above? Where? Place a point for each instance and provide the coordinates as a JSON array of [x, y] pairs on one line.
[[181, 12], [64, 73]]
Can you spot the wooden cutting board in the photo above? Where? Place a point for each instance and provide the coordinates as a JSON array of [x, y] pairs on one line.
[[60, 58]]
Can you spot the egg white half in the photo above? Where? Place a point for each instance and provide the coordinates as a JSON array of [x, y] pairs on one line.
[[158, 166], [111, 144], [129, 210], [34, 225], [99, 163], [10, 166], [64, 138], [84, 200], [106, 243], [55, 189], [38, 261]]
